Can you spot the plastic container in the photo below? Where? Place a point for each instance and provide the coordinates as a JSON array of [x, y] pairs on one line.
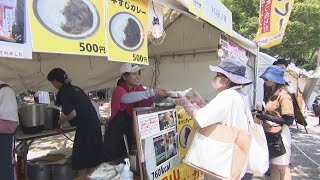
[[126, 174]]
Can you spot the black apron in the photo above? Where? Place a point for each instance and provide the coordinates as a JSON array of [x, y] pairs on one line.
[[87, 147], [114, 146]]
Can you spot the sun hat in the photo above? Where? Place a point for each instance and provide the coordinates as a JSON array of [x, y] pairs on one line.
[[130, 68], [234, 69], [275, 74]]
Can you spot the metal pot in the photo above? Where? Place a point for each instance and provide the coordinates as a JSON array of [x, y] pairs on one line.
[[62, 172], [32, 117], [52, 117], [38, 171]]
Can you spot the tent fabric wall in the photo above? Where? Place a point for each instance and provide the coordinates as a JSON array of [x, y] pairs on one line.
[[190, 38], [93, 74], [264, 61]]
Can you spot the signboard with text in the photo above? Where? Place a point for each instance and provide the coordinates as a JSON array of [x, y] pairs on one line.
[[214, 12], [127, 26], [15, 39], [161, 135], [68, 27]]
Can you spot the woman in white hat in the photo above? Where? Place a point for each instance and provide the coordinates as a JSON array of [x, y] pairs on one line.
[[128, 94], [228, 107]]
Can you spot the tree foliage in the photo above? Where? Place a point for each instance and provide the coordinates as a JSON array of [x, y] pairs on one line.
[[302, 35]]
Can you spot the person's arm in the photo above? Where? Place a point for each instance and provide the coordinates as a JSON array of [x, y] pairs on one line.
[[137, 96], [214, 112], [8, 111], [284, 119], [69, 117], [287, 112], [67, 107]]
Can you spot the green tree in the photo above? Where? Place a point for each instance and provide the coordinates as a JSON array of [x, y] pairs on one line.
[[302, 35]]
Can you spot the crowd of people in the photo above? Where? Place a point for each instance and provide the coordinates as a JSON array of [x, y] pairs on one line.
[[228, 78]]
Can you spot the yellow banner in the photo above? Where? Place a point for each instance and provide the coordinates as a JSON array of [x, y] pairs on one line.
[[127, 24], [184, 125], [69, 27], [274, 17], [183, 172]]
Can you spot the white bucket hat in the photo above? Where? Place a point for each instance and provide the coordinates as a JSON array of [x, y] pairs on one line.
[[130, 68], [234, 69]]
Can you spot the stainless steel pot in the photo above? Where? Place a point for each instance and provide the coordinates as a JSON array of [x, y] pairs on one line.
[[52, 117], [38, 171], [32, 117]]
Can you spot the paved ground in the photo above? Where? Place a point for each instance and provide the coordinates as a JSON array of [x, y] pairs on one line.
[[305, 150], [305, 158]]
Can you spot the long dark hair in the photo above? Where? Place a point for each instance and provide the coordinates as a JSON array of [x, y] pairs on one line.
[[270, 93], [121, 80]]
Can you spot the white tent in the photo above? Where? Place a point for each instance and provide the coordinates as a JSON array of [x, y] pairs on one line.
[[179, 63]]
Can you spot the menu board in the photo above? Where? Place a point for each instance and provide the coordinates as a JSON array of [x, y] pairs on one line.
[[159, 145], [127, 26], [15, 39], [68, 26]]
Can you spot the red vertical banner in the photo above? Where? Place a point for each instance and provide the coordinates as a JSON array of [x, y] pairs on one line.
[[265, 15]]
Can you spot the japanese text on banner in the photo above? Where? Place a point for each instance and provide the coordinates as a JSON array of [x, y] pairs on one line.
[[69, 27], [274, 17], [183, 172], [127, 24]]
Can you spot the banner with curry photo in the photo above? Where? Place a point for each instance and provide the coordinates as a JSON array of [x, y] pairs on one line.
[[184, 126], [68, 26], [274, 17], [127, 26]]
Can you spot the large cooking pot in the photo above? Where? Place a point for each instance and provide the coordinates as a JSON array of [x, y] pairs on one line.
[[32, 117], [63, 172], [52, 117], [38, 171]]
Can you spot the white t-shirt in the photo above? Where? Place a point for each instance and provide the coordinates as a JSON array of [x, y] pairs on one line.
[[228, 108], [8, 104]]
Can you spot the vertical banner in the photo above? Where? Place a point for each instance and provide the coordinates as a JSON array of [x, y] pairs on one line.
[[15, 39], [274, 17], [184, 125], [68, 26], [127, 25]]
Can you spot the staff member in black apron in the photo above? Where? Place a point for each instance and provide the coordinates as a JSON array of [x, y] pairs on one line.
[[79, 111]]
